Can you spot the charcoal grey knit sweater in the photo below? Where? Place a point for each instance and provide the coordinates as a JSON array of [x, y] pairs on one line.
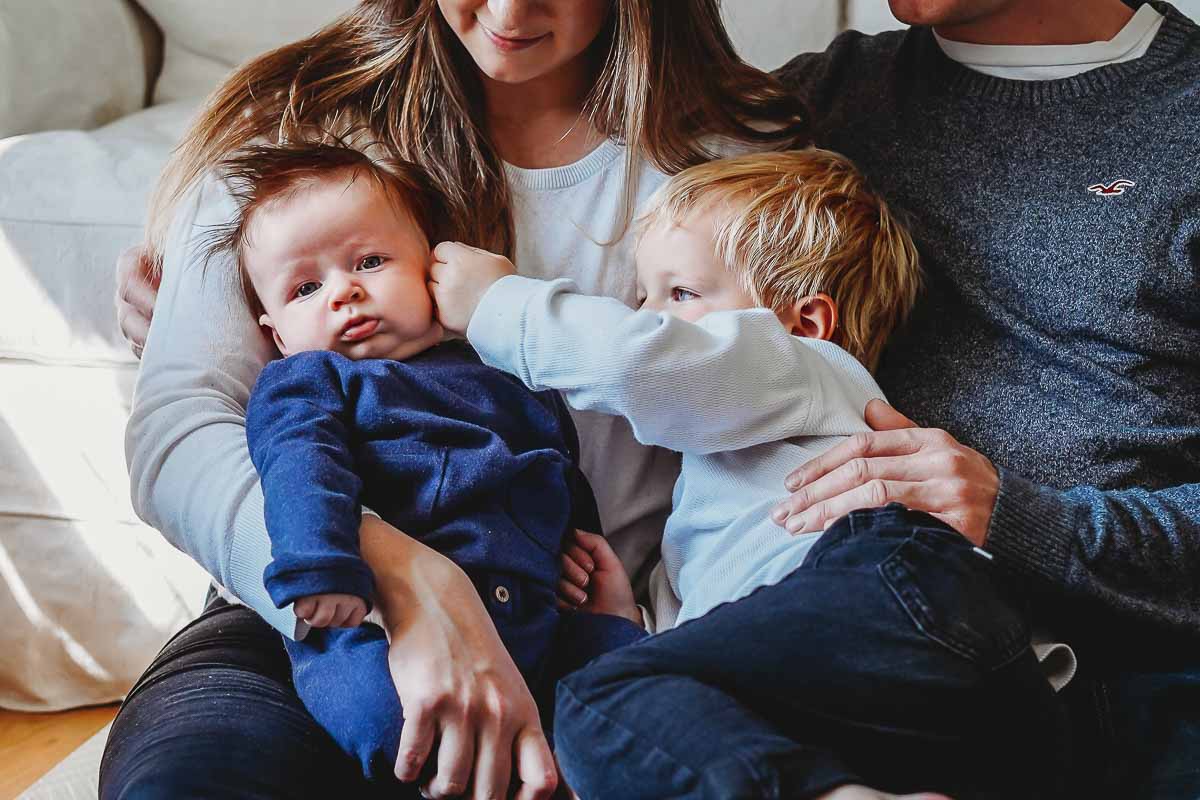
[[1060, 329]]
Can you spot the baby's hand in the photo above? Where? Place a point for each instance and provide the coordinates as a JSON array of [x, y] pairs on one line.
[[459, 278], [331, 610], [594, 580]]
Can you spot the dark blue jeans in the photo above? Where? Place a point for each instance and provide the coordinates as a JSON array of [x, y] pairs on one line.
[[896, 656]]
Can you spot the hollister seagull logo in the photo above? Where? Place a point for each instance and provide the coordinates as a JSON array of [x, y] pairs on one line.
[[1114, 188]]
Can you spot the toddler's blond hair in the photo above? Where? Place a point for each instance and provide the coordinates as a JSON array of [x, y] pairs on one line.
[[790, 225]]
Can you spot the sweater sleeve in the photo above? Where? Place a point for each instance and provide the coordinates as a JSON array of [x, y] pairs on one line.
[[185, 444], [298, 425], [731, 381], [1132, 551]]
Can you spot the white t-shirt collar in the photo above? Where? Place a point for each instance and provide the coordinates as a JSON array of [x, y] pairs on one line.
[[1053, 62]]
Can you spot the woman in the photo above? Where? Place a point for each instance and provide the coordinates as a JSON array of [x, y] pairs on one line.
[[544, 125]]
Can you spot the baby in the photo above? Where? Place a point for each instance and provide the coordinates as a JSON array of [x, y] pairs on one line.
[[370, 408], [769, 284]]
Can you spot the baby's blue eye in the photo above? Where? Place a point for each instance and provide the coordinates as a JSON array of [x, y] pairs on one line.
[[371, 262], [681, 295], [307, 288]]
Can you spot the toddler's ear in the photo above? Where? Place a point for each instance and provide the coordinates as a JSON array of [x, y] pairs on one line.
[[812, 317], [265, 321]]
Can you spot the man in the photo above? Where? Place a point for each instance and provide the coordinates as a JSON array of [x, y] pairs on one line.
[[1046, 153]]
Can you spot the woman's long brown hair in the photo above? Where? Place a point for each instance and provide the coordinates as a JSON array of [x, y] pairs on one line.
[[392, 72]]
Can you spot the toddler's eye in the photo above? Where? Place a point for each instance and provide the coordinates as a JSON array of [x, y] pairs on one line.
[[307, 288], [681, 295], [371, 262]]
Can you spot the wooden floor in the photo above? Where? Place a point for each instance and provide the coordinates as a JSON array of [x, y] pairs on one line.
[[30, 744]]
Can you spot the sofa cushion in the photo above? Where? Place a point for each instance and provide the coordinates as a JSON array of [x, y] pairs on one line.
[[88, 593], [70, 201], [67, 64], [204, 41]]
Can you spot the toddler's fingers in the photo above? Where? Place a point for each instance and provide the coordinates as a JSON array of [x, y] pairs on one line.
[[573, 572], [571, 592], [580, 557]]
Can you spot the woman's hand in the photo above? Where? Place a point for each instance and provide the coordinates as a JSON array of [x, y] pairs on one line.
[[459, 278], [137, 289], [457, 684], [925, 469], [594, 580]]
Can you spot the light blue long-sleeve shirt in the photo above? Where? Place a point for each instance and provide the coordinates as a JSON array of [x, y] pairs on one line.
[[743, 400]]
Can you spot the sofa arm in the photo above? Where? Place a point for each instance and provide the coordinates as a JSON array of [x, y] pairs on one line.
[[72, 64]]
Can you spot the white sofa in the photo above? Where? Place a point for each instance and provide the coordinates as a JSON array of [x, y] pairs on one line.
[[93, 95]]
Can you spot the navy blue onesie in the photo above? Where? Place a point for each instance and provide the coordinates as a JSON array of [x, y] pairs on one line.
[[456, 454]]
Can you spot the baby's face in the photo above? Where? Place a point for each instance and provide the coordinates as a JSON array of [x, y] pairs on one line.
[[679, 272], [338, 267]]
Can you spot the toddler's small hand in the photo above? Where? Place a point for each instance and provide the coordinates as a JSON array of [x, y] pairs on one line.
[[458, 279], [331, 610], [594, 580]]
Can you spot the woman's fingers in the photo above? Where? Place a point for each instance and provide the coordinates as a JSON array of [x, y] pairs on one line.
[[580, 557], [493, 764], [416, 740], [136, 292], [571, 593], [455, 758], [535, 766], [573, 572]]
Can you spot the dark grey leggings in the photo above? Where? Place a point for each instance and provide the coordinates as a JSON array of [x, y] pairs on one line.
[[216, 716]]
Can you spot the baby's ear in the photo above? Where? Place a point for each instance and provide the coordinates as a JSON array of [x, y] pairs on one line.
[[265, 321], [812, 317]]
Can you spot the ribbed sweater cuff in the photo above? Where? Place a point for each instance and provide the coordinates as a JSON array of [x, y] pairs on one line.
[[249, 554], [497, 330], [1031, 531]]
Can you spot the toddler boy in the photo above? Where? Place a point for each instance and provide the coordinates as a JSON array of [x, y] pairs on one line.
[[886, 650]]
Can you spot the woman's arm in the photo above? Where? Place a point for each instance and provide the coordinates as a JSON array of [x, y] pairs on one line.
[[189, 466], [456, 682]]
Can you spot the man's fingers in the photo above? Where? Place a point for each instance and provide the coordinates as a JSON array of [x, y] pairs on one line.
[[456, 757], [416, 740], [847, 477], [883, 416], [535, 766], [872, 494], [860, 445]]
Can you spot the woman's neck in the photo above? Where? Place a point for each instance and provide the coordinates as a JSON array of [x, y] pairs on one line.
[[540, 123]]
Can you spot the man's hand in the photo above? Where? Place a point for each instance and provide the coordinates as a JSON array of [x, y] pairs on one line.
[[923, 468], [593, 579], [459, 278], [331, 610]]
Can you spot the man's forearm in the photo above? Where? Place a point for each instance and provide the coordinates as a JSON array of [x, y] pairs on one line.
[[1133, 552]]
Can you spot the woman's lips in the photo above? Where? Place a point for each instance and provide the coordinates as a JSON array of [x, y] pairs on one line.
[[512, 43], [360, 330]]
